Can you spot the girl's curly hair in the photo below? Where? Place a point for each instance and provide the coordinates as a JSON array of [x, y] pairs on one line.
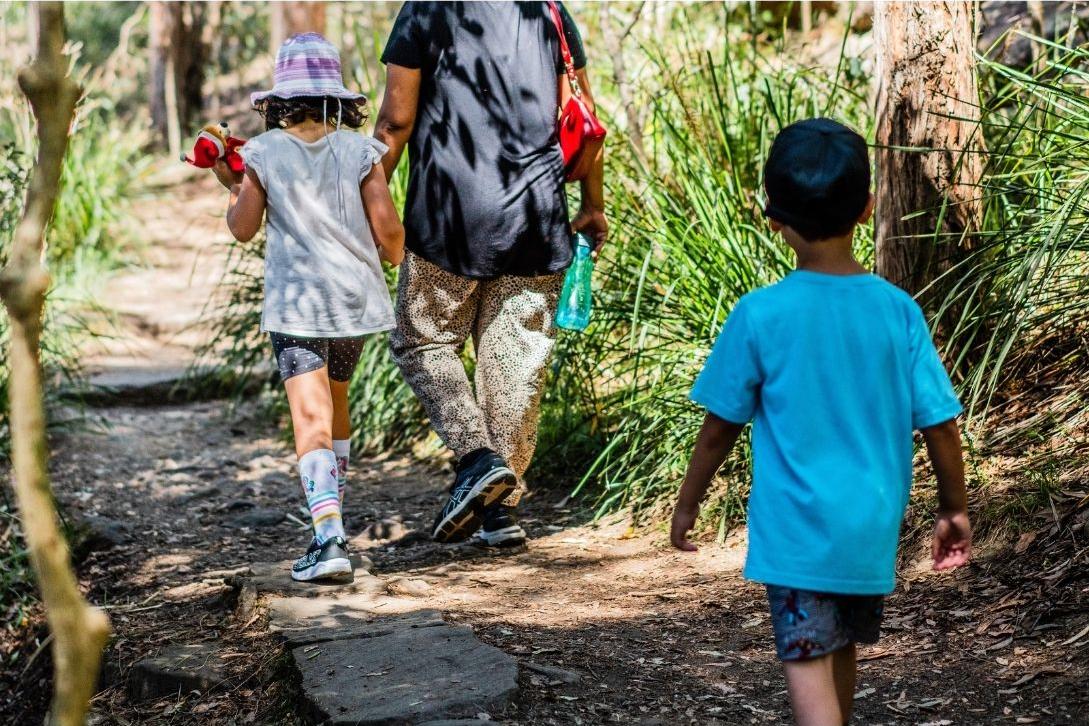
[[283, 112]]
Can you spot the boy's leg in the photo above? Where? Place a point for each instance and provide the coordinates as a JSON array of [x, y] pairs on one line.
[[435, 314], [812, 690], [860, 621], [845, 672], [514, 336], [815, 636]]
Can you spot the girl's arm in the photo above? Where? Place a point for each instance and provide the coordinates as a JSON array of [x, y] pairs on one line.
[[389, 234], [246, 208]]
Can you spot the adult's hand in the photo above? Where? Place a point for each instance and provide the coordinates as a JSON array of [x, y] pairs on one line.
[[592, 222], [397, 117]]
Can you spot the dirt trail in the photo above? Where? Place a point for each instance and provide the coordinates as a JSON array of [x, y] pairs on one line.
[[607, 627], [151, 325]]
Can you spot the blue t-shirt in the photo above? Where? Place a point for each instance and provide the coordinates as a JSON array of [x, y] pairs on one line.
[[834, 371]]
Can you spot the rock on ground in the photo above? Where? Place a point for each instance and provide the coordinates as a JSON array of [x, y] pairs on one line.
[[177, 670], [411, 675]]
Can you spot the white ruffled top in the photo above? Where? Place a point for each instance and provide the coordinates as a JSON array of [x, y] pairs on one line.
[[323, 277]]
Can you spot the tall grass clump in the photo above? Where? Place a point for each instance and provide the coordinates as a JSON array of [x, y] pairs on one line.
[[1021, 293], [688, 241], [86, 236]]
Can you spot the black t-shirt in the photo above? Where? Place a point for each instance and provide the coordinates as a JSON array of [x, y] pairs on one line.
[[485, 193]]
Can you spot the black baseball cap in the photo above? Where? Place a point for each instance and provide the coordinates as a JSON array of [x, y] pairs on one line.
[[817, 178]]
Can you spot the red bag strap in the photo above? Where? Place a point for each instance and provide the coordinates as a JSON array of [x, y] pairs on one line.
[[565, 49]]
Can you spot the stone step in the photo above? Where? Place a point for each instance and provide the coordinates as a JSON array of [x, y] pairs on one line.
[[408, 676], [369, 653], [144, 386], [177, 670]]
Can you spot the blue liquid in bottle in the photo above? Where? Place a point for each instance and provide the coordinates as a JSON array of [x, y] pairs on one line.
[[575, 300]]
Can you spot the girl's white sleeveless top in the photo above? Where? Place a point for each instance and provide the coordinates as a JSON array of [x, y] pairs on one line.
[[323, 277]]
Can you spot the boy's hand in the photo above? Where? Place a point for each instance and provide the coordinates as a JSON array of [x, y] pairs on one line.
[[225, 176], [716, 438], [684, 519], [952, 540]]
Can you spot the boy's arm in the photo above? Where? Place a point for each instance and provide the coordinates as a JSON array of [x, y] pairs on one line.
[[952, 531], [717, 436]]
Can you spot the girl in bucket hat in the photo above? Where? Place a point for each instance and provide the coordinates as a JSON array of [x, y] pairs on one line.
[[330, 221]]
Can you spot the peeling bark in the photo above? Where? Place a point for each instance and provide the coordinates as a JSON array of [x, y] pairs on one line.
[[177, 50], [929, 147], [294, 17], [79, 631]]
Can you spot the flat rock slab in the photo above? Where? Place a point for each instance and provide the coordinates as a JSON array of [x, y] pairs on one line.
[[409, 676], [178, 669], [274, 578], [298, 622]]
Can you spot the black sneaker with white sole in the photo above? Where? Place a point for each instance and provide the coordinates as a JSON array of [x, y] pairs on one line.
[[327, 561], [483, 478], [500, 527]]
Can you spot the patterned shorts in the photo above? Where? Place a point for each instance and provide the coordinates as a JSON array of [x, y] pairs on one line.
[[296, 355], [811, 624]]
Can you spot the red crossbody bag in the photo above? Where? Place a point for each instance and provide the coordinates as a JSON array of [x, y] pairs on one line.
[[581, 134]]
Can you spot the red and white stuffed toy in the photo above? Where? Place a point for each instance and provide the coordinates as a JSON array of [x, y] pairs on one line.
[[215, 142]]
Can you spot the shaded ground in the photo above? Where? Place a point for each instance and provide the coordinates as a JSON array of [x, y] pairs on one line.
[[181, 495], [657, 636]]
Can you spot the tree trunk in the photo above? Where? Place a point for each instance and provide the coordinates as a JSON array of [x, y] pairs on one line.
[[178, 50], [79, 631], [294, 17], [193, 51], [614, 45], [162, 94], [929, 145]]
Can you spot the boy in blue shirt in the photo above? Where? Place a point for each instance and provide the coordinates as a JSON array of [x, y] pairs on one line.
[[835, 368]]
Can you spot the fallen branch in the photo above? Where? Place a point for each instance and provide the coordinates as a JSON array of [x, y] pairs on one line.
[[79, 631]]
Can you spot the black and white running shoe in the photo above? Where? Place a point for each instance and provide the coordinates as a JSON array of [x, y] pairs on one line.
[[483, 478], [328, 561], [501, 528]]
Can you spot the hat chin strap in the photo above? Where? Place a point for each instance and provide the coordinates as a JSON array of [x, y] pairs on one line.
[[332, 149]]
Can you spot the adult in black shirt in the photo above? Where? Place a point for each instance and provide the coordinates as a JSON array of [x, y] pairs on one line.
[[473, 90]]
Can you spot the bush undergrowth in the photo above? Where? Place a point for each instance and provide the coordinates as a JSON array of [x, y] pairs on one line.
[[689, 239]]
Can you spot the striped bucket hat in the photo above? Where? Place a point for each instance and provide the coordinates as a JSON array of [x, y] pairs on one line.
[[307, 65]]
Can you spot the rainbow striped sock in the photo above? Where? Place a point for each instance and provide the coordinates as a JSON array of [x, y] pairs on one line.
[[318, 471], [342, 447]]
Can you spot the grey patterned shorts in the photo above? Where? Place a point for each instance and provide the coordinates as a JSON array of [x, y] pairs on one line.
[[296, 355], [811, 624]]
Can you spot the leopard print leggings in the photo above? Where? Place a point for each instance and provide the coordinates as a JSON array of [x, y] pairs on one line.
[[511, 322]]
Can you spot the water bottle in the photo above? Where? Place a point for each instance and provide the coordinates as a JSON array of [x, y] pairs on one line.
[[575, 302]]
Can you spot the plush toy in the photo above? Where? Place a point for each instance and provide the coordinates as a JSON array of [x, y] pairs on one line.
[[215, 142]]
